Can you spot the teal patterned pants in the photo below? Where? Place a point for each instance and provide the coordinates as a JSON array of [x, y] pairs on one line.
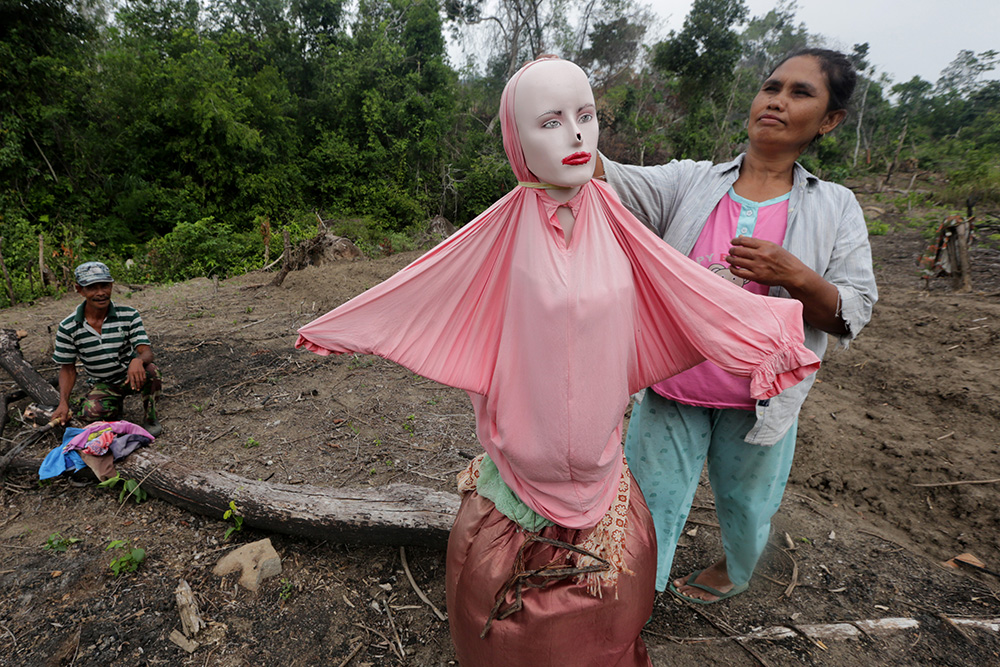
[[667, 446]]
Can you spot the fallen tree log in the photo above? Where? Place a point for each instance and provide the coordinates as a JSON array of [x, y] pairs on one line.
[[396, 514], [399, 514], [26, 377]]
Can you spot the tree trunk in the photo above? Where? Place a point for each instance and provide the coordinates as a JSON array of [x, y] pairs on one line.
[[24, 375], [963, 266], [895, 158], [6, 276], [265, 233], [861, 117], [48, 278], [396, 514], [287, 265]]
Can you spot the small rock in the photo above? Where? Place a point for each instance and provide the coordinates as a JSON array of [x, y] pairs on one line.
[[258, 561]]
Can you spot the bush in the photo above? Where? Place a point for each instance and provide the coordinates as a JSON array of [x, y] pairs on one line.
[[373, 238], [979, 178], [201, 248]]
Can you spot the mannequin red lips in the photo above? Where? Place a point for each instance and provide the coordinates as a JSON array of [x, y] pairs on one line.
[[577, 158]]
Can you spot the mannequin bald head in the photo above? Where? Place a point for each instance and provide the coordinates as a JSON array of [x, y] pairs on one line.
[[553, 110]]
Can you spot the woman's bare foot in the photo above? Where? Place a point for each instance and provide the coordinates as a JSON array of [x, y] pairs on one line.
[[715, 576]]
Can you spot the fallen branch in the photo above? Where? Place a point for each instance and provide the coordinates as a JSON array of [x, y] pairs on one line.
[[271, 265], [5, 402], [350, 656], [416, 589], [841, 630], [395, 633], [795, 574], [964, 481], [730, 633], [30, 439]]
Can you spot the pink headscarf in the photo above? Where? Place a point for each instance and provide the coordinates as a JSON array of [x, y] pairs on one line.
[[511, 138], [550, 338]]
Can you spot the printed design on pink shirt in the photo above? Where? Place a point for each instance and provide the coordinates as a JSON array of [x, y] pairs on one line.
[[722, 270]]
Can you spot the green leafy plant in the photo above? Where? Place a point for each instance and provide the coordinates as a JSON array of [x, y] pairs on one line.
[[877, 228], [251, 442], [361, 361], [129, 560], [130, 487], [410, 424], [286, 589], [57, 542], [233, 514]]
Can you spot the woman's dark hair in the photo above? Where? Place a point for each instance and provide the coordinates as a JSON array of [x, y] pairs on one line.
[[841, 76]]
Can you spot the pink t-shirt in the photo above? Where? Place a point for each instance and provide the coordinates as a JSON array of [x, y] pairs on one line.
[[706, 384]]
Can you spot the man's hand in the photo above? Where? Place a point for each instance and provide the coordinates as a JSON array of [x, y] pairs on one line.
[[136, 374], [62, 413]]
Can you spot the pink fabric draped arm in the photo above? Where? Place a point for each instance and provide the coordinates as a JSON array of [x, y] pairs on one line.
[[551, 340]]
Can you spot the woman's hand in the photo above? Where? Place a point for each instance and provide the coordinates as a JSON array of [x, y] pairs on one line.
[[764, 262], [768, 263]]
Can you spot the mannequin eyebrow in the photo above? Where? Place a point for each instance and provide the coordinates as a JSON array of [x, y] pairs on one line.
[[558, 112]]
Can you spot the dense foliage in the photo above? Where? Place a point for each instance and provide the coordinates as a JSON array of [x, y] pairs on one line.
[[185, 135]]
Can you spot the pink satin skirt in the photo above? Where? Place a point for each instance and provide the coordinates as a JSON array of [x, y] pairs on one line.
[[559, 625]]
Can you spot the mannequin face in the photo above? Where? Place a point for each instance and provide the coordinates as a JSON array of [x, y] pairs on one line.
[[557, 123]]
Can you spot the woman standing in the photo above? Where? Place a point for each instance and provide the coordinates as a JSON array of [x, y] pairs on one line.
[[768, 225]]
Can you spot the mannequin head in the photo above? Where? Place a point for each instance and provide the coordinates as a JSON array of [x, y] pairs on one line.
[[550, 125]]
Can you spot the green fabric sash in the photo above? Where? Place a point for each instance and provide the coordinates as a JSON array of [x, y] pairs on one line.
[[490, 485]]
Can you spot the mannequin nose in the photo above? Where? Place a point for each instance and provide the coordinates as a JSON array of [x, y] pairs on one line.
[[579, 136]]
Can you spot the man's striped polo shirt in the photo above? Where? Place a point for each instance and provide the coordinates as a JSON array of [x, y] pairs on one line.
[[105, 356]]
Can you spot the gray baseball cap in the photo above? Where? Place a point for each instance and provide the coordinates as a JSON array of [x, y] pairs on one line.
[[89, 273]]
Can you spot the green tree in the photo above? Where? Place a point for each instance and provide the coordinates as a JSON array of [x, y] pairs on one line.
[[703, 53], [44, 52], [769, 38]]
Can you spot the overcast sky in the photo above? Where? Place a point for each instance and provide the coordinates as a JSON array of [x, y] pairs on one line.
[[906, 37]]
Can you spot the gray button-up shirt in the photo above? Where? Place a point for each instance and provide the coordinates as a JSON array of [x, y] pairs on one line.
[[826, 231]]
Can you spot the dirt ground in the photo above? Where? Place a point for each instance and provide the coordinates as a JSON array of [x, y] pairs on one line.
[[915, 400]]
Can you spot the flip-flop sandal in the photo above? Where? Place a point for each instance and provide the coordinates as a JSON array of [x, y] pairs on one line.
[[736, 590]]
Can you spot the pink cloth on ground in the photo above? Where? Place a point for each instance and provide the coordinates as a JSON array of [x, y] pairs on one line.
[[706, 384], [549, 339], [79, 441]]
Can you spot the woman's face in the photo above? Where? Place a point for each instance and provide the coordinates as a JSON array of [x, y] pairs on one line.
[[557, 123], [791, 107]]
